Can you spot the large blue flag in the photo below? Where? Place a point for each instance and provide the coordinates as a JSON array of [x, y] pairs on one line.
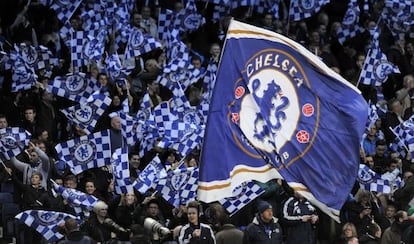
[[276, 104]]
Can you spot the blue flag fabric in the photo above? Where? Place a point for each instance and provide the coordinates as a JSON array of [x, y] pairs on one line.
[[12, 141], [242, 195], [45, 222], [120, 170], [140, 43], [300, 9], [188, 19], [404, 133], [376, 67], [77, 87], [150, 176], [275, 103], [81, 202], [179, 187], [65, 9], [86, 152], [398, 16], [86, 115], [371, 181], [350, 23]]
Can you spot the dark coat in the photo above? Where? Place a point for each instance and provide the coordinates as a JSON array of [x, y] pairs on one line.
[[206, 236], [255, 232]]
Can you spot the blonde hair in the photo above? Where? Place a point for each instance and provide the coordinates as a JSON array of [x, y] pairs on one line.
[[99, 205], [352, 227]]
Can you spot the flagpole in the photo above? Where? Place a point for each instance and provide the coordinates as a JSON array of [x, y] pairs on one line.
[[406, 148], [5, 167]]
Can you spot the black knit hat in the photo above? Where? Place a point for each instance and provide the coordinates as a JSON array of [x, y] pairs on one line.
[[262, 206]]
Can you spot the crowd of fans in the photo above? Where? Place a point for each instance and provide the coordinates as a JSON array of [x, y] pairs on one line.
[[277, 216]]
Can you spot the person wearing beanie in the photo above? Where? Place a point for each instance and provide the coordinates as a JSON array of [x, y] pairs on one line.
[[264, 228]]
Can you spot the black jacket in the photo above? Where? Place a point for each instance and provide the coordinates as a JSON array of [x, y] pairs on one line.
[[258, 232]]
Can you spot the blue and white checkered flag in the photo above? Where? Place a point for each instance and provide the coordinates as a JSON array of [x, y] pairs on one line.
[[86, 48], [185, 147], [129, 125], [36, 57], [149, 177], [376, 67], [179, 187], [371, 181], [209, 80], [77, 87], [66, 33], [175, 72], [242, 195], [140, 43], [65, 9], [240, 3], [86, 115], [175, 132], [45, 222], [12, 141], [94, 20], [404, 132], [181, 108], [120, 171], [86, 152], [24, 78], [398, 15], [302, 9], [165, 20], [220, 11], [188, 19], [350, 23], [81, 202], [271, 6], [114, 68], [162, 114]]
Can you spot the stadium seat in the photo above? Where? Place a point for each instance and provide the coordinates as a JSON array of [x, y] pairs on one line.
[[9, 210]]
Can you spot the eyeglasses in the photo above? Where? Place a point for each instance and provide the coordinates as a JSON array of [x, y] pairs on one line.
[[103, 209]]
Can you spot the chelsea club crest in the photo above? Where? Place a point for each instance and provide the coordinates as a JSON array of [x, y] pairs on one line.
[[8, 141], [84, 114], [382, 69], [307, 5], [29, 55], [350, 17], [75, 84], [192, 21], [137, 39], [272, 105], [84, 152], [47, 218]]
